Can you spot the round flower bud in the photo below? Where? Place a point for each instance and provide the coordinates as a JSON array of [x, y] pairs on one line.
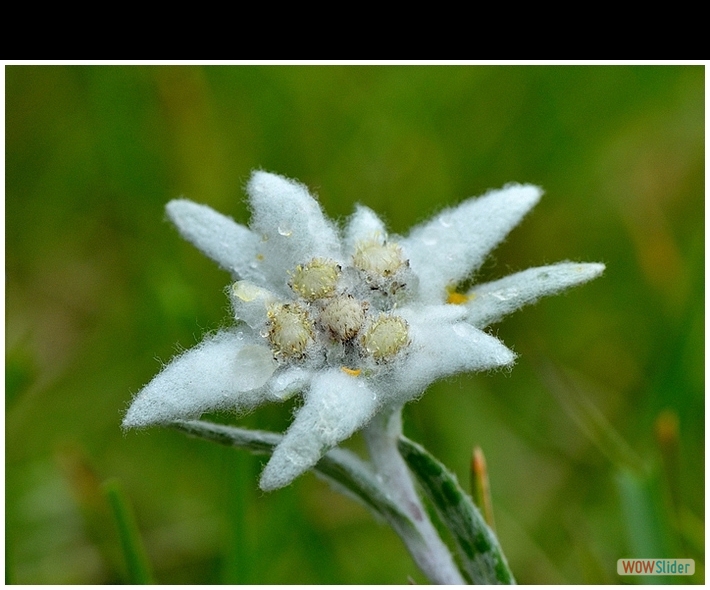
[[291, 330], [343, 317], [378, 259], [315, 280], [385, 337]]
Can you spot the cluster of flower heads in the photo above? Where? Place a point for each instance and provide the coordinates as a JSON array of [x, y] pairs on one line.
[[340, 314], [353, 319]]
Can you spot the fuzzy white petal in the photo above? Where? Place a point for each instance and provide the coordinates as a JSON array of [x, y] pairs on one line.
[[440, 349], [451, 246], [291, 224], [289, 381], [490, 302], [433, 314], [363, 225], [336, 406], [223, 371], [229, 244]]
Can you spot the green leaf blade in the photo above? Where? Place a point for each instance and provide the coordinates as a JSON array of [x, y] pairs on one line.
[[137, 564], [482, 559]]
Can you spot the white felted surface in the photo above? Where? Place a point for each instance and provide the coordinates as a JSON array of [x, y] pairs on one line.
[[289, 381], [453, 245], [490, 302], [335, 407], [363, 225], [443, 348], [207, 377], [291, 225], [219, 237]]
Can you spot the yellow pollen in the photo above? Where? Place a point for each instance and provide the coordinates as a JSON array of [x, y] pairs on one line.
[[351, 372], [457, 298]]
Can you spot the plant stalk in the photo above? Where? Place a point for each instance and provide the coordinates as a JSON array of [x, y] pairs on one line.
[[424, 544]]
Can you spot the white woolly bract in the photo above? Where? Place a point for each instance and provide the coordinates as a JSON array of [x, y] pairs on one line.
[[363, 226], [490, 302], [291, 225], [450, 247], [336, 405], [206, 377], [219, 237]]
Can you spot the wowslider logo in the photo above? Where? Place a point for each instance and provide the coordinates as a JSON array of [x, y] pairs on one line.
[[655, 567]]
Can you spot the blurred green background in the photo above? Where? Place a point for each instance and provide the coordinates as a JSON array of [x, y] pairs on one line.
[[594, 440]]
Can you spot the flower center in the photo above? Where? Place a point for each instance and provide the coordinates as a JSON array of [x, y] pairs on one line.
[[385, 337], [378, 259], [315, 280], [342, 316], [291, 330]]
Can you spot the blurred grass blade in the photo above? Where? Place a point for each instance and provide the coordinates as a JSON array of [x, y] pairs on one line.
[[692, 529], [568, 391], [648, 527], [482, 557], [347, 472], [648, 514], [91, 499], [134, 553], [481, 486]]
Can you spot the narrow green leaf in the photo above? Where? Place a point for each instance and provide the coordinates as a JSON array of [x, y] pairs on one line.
[[137, 564], [259, 442], [646, 516], [482, 559], [340, 467]]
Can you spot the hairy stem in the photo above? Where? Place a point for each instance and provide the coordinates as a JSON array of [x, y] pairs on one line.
[[424, 544]]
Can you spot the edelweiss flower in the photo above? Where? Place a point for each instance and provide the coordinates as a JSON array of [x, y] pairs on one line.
[[355, 320]]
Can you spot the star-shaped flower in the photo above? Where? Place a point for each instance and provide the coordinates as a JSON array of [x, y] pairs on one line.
[[355, 320]]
